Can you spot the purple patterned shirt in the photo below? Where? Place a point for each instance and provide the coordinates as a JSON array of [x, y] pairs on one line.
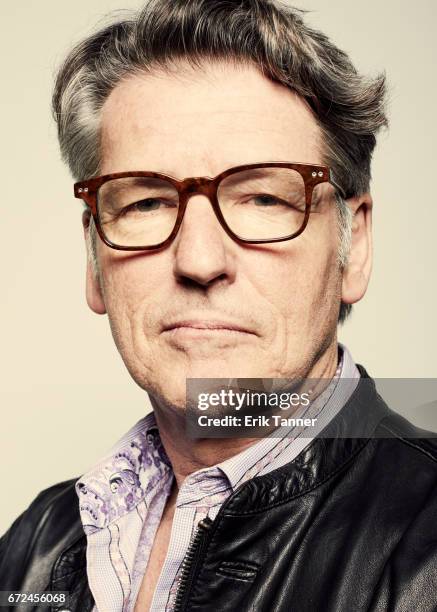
[[123, 497]]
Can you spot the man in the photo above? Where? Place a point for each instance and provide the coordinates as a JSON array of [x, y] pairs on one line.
[[222, 150]]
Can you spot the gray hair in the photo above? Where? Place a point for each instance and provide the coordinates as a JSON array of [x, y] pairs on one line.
[[349, 108]]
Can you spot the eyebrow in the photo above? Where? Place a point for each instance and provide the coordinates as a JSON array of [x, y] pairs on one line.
[[137, 181], [238, 177], [259, 174]]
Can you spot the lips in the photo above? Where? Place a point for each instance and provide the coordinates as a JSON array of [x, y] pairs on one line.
[[205, 325]]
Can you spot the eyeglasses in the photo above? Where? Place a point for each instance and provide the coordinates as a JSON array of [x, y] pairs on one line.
[[254, 204]]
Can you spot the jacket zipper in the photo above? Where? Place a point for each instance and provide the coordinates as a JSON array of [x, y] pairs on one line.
[[189, 564]]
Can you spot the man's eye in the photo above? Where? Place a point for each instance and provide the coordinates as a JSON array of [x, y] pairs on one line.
[[266, 200], [146, 205]]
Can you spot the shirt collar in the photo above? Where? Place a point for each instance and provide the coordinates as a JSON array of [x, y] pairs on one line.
[[136, 467]]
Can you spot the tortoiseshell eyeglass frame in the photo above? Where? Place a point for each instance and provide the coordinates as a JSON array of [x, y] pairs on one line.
[[311, 174]]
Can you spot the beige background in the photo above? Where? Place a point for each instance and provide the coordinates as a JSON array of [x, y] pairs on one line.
[[65, 395]]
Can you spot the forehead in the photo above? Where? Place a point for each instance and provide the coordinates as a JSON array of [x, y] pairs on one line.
[[190, 122]]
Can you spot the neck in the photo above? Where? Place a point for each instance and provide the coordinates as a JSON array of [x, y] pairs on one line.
[[187, 455]]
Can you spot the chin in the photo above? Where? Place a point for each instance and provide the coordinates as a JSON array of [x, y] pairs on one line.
[[170, 389], [228, 368]]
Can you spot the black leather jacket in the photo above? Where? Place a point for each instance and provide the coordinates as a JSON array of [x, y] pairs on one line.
[[349, 525]]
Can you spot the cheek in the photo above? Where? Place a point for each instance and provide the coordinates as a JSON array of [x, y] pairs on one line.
[[127, 291], [130, 279], [298, 279]]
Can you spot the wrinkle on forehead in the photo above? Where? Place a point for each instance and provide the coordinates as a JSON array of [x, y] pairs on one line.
[[226, 113]]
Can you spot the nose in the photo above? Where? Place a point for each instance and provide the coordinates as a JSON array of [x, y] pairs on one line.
[[203, 252]]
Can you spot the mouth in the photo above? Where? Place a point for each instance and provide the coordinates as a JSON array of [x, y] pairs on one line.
[[205, 327]]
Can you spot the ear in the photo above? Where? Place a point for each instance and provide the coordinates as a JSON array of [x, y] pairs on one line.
[[94, 296], [357, 272]]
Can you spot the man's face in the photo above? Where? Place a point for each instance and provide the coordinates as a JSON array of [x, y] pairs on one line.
[[169, 310]]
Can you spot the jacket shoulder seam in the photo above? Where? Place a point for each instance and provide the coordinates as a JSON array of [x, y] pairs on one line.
[[409, 442]]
